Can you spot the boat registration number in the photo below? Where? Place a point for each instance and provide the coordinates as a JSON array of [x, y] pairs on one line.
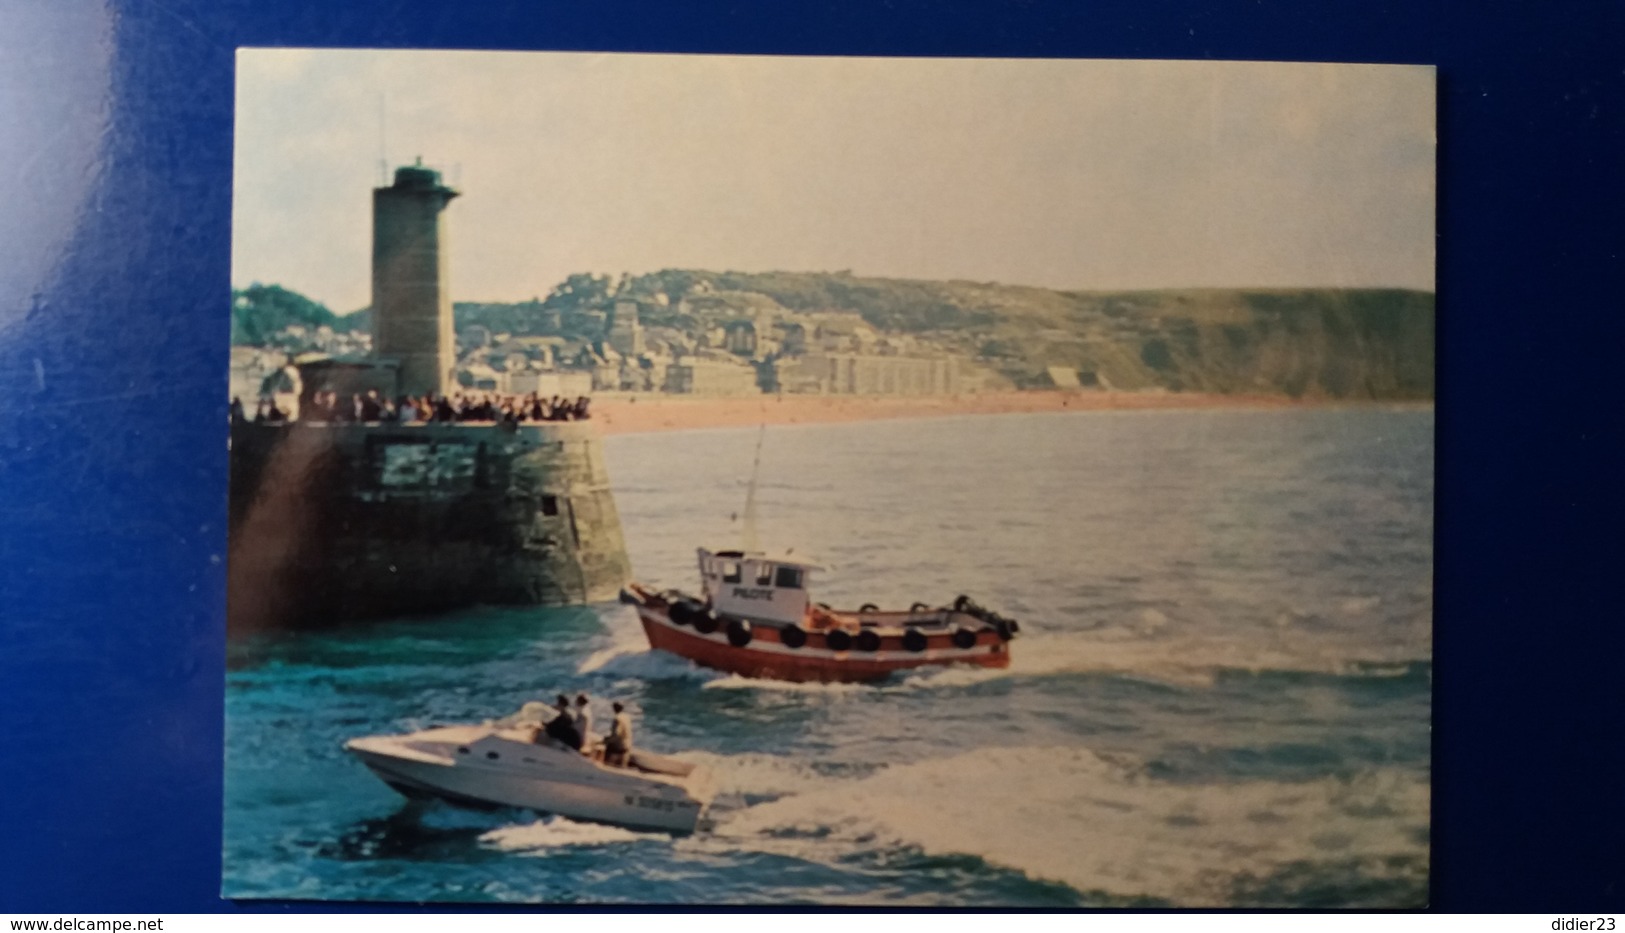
[[650, 803]]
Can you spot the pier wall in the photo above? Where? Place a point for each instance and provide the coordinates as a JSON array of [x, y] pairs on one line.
[[334, 522]]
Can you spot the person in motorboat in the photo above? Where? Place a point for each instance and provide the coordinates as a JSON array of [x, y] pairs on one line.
[[618, 746], [583, 724], [562, 727]]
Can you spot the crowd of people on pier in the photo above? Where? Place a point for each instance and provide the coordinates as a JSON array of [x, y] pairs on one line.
[[372, 407]]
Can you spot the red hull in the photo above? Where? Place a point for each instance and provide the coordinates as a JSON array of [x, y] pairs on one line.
[[766, 656]]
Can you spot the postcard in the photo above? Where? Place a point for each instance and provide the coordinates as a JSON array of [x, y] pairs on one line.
[[750, 480]]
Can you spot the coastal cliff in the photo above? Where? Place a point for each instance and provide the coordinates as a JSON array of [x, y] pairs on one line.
[[1311, 342], [1333, 343]]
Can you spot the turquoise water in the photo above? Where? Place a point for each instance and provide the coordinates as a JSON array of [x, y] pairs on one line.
[[1221, 695]]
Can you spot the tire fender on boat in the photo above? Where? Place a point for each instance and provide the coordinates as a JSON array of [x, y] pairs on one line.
[[838, 640], [867, 641], [914, 640], [739, 633], [792, 636], [705, 621], [964, 639], [682, 612]]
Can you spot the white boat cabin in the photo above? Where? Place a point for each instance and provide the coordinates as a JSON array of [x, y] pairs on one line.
[[756, 586]]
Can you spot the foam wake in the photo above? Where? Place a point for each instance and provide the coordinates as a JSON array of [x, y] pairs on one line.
[[1097, 824], [759, 775], [627, 654], [556, 832], [1183, 660], [646, 664], [625, 637], [736, 682]]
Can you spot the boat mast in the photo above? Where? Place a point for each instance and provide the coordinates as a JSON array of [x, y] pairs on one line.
[[748, 541]]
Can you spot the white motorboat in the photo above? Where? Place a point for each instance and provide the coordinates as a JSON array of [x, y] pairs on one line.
[[512, 763]]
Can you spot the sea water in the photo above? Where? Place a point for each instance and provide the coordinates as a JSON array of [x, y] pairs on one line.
[[1220, 695]]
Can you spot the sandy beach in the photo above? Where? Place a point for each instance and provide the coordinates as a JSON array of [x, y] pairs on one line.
[[630, 414]]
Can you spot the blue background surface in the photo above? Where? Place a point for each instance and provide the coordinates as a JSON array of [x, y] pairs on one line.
[[113, 375]]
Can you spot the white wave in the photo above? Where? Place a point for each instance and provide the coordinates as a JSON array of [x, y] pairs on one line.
[[758, 774], [1184, 660], [555, 832], [649, 664], [1048, 655], [736, 682], [603, 656], [1174, 660], [626, 637], [1095, 824], [957, 675], [920, 678]]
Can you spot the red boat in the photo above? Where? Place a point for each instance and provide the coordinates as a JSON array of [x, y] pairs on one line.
[[755, 618]]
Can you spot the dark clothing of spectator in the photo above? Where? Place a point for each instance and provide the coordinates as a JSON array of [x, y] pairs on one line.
[[563, 729]]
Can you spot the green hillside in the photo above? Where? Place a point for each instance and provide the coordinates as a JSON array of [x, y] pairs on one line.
[[259, 311], [1314, 343], [1334, 343]]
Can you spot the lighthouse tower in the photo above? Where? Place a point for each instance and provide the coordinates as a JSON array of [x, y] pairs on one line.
[[411, 303]]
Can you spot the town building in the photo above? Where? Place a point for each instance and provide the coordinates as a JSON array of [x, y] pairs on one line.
[[694, 375], [861, 374], [549, 384], [625, 333]]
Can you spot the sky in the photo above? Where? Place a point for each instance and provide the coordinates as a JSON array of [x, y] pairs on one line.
[[1061, 174]]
